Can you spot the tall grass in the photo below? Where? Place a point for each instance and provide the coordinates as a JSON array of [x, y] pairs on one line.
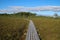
[[12, 28], [48, 28]]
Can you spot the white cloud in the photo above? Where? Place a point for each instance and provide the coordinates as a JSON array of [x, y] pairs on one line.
[[38, 8]]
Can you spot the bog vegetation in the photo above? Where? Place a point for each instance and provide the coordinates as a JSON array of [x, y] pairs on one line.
[[48, 28], [14, 26]]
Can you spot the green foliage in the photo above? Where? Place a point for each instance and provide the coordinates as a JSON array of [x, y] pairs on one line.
[[26, 14], [55, 15], [19, 14]]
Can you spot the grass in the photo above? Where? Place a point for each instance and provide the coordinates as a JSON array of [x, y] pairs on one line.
[[12, 28], [47, 28]]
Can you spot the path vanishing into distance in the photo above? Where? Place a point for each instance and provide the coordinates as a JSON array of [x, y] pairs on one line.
[[32, 33]]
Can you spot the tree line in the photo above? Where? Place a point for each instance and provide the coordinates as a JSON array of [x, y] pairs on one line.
[[26, 14]]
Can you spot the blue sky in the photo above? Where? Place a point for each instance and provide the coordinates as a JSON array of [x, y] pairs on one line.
[[31, 3]]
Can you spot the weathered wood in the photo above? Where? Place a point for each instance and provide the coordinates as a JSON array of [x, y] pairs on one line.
[[32, 33]]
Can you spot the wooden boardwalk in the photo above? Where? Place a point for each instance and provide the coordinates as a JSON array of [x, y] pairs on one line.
[[32, 33]]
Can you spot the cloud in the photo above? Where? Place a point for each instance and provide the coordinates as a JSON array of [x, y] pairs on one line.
[[3, 10], [37, 8]]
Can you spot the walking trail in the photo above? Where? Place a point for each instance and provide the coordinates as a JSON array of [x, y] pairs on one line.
[[32, 33]]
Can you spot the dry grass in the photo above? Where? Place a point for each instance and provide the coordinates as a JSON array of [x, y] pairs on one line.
[[12, 28], [48, 28]]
